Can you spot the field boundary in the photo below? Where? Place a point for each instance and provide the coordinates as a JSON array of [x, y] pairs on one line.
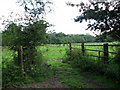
[[105, 51]]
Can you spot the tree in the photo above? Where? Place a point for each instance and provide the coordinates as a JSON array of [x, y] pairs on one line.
[[35, 7], [28, 31], [12, 36], [106, 17], [61, 38]]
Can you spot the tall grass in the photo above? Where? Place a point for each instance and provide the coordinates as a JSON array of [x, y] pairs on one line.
[[53, 51], [110, 48], [86, 63]]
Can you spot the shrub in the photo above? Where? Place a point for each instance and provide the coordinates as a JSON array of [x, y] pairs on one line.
[[10, 74], [38, 68], [112, 71], [86, 63]]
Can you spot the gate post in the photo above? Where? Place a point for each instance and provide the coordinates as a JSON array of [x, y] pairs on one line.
[[70, 48], [83, 48], [20, 60], [106, 53]]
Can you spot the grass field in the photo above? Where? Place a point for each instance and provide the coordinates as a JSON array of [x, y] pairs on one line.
[[110, 48], [52, 52], [55, 51]]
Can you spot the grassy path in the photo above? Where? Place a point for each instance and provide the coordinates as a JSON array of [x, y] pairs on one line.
[[72, 77], [64, 76]]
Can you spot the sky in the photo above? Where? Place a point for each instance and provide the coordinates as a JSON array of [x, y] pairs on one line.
[[62, 16]]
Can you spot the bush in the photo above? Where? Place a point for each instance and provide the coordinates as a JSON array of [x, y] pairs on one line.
[[38, 68], [10, 74], [86, 63], [112, 71]]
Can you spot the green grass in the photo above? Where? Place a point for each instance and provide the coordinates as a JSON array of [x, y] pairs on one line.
[[68, 75], [52, 52], [111, 48], [11, 71], [36, 87], [108, 83], [58, 52]]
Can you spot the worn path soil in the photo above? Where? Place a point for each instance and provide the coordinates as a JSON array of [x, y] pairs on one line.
[[54, 82]]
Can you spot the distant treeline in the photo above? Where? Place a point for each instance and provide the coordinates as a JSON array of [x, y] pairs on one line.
[[58, 38]]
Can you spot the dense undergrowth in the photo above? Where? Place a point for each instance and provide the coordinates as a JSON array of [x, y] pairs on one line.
[[86, 63], [11, 71]]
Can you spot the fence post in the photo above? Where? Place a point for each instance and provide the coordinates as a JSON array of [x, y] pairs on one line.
[[99, 54], [70, 48], [106, 53], [83, 49], [119, 69], [119, 65], [20, 60], [19, 56]]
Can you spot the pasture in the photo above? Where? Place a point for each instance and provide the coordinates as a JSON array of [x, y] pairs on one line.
[[53, 53], [99, 47], [57, 51]]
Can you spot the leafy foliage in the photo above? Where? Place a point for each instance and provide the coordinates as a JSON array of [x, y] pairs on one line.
[[106, 17], [86, 63], [12, 36], [29, 37], [29, 34], [35, 7], [10, 73], [33, 34]]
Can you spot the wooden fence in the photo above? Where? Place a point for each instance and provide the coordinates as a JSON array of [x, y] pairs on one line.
[[105, 50]]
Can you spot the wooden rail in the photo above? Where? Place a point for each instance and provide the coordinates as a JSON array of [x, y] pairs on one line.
[[97, 45], [105, 51]]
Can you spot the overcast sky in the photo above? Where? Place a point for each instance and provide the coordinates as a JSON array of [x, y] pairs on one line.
[[62, 15]]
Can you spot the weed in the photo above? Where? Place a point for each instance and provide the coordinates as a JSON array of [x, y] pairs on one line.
[[36, 87], [87, 64]]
